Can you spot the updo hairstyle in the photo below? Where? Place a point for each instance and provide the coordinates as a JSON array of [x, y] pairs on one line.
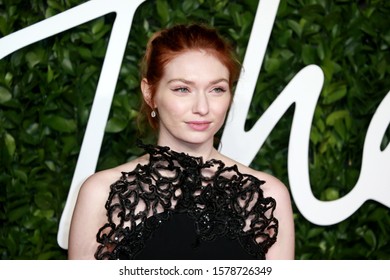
[[168, 43]]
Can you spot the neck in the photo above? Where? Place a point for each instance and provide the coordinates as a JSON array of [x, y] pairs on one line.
[[204, 150]]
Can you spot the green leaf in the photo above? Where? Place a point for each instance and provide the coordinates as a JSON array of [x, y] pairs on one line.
[[308, 54], [370, 238], [189, 5], [68, 65], [331, 194], [60, 124], [271, 65], [50, 12], [321, 51], [10, 144], [3, 25], [20, 174], [35, 57], [163, 10], [295, 26], [51, 165], [11, 245], [18, 213], [335, 116], [284, 37], [115, 125], [50, 74], [45, 214], [85, 53], [98, 26], [5, 95], [315, 136], [315, 232], [55, 5], [43, 200], [336, 94]]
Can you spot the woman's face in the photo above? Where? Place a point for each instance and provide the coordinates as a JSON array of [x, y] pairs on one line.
[[192, 99]]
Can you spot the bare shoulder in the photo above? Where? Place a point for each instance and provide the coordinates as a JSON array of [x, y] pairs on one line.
[[272, 187], [100, 182], [284, 248], [90, 214]]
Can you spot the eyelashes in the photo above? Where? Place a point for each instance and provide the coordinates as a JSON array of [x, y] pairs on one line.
[[217, 90], [181, 90]]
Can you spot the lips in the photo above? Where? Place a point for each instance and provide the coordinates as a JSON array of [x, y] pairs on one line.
[[199, 125]]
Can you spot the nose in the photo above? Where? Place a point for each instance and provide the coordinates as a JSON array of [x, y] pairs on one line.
[[201, 104]]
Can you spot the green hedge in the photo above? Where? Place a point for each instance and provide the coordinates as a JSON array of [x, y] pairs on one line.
[[46, 92]]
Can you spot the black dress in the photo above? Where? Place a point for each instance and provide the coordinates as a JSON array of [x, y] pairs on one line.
[[179, 207]]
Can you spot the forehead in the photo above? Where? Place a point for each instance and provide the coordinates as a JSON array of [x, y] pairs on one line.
[[196, 63]]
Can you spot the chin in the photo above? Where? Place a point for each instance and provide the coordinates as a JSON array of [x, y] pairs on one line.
[[197, 140]]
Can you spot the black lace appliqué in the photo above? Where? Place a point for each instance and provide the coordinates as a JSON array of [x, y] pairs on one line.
[[220, 200]]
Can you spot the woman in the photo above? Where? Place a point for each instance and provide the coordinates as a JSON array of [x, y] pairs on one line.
[[183, 199]]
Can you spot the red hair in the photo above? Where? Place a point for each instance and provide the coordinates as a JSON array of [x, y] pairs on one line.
[[166, 44]]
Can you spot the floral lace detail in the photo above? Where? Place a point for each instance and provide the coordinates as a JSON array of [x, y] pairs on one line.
[[220, 200]]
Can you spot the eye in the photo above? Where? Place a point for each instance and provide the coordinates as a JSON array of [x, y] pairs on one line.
[[181, 90], [219, 90]]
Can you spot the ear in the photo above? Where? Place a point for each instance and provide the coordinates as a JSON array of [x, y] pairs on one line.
[[146, 92]]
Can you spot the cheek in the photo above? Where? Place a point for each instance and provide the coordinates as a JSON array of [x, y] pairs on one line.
[[172, 108], [222, 106]]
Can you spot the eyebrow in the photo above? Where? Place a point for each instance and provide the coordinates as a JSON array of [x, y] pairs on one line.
[[192, 83]]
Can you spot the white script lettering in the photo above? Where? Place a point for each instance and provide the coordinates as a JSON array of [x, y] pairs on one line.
[[303, 90]]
